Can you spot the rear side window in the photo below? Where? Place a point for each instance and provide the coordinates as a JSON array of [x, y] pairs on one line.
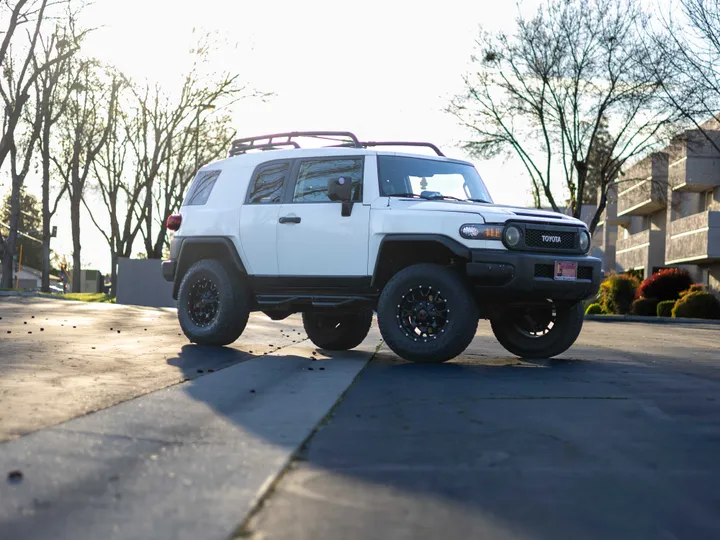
[[268, 184], [201, 188]]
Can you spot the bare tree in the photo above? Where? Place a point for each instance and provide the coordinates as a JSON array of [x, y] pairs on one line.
[[683, 52], [544, 92], [120, 187], [86, 127], [53, 88], [168, 136], [20, 72]]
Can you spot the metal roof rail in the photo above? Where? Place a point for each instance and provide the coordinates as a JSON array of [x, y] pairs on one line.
[[402, 143], [268, 142], [345, 138]]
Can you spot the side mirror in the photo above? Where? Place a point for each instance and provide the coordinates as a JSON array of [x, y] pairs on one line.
[[340, 189]]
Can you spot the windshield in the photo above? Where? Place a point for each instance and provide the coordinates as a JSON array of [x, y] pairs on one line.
[[412, 176]]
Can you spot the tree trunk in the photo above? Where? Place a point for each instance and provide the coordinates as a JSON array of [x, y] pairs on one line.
[[159, 243], [11, 239], [75, 226], [579, 195], [113, 274], [45, 158]]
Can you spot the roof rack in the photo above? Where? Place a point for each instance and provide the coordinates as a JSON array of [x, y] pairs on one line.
[[241, 146], [402, 143], [344, 138]]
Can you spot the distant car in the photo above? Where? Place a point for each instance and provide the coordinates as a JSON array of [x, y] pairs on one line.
[[337, 233]]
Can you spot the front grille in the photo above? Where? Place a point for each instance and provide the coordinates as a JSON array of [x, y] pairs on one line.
[[585, 272], [538, 238], [544, 271]]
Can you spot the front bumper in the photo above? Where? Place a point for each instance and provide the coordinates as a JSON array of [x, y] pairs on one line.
[[515, 275]]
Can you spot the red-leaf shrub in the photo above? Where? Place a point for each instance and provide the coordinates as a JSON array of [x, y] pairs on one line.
[[665, 284]]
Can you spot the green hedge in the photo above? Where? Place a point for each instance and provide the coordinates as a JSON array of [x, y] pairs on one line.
[[617, 293], [594, 309], [664, 308], [645, 306], [697, 305]]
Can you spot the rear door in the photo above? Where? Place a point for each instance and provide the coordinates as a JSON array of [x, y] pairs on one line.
[[313, 237], [259, 216]]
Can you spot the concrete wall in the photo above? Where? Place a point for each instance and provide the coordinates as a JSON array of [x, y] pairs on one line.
[[140, 283], [714, 277]]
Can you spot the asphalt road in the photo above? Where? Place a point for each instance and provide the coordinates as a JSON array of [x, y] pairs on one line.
[[61, 359], [618, 438]]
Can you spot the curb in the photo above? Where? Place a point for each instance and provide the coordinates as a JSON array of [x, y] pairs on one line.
[[651, 320]]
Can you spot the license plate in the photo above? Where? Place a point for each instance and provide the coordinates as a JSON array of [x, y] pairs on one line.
[[565, 271]]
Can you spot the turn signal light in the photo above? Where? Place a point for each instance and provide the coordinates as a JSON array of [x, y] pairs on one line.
[[174, 221], [472, 231]]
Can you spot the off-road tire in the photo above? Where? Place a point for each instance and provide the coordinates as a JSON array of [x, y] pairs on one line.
[[232, 309], [560, 337], [337, 331], [458, 330]]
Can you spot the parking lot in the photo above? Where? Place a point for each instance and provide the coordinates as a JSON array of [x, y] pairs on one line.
[[271, 438]]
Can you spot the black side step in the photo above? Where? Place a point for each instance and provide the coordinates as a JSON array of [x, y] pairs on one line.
[[284, 301]]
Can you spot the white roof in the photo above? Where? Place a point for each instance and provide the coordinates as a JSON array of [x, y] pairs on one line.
[[252, 159]]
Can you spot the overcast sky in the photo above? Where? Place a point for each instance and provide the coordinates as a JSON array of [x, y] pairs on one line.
[[384, 70]]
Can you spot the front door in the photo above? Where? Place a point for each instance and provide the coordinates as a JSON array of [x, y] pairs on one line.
[[313, 237]]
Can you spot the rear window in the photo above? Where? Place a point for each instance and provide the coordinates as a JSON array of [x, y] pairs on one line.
[[201, 188]]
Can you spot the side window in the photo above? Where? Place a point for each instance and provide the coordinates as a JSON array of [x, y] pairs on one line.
[[268, 185], [313, 177], [201, 188]]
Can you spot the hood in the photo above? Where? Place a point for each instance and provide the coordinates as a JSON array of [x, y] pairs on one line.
[[491, 213]]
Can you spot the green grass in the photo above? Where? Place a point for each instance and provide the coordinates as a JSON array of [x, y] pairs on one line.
[[88, 297]]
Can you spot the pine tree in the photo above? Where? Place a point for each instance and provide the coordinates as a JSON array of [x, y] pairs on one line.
[[30, 223], [600, 156]]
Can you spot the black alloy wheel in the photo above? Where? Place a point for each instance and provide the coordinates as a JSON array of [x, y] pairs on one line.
[[203, 302], [213, 307], [540, 331], [427, 313], [423, 313]]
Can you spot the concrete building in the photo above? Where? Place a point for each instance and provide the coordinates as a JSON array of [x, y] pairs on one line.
[[665, 211]]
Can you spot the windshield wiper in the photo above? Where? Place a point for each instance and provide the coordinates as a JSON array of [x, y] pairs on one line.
[[437, 197], [409, 195]]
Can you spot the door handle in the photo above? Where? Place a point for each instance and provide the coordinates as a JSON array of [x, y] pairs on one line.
[[289, 219]]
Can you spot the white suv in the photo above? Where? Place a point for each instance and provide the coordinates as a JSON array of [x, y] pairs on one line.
[[339, 232]]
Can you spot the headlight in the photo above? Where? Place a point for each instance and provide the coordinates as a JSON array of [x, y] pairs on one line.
[[473, 231], [512, 236], [584, 240]]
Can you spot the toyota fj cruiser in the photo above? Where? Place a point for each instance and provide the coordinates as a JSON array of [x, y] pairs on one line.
[[341, 231]]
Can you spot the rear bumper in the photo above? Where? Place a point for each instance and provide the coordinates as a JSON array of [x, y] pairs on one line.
[[528, 276], [168, 270]]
